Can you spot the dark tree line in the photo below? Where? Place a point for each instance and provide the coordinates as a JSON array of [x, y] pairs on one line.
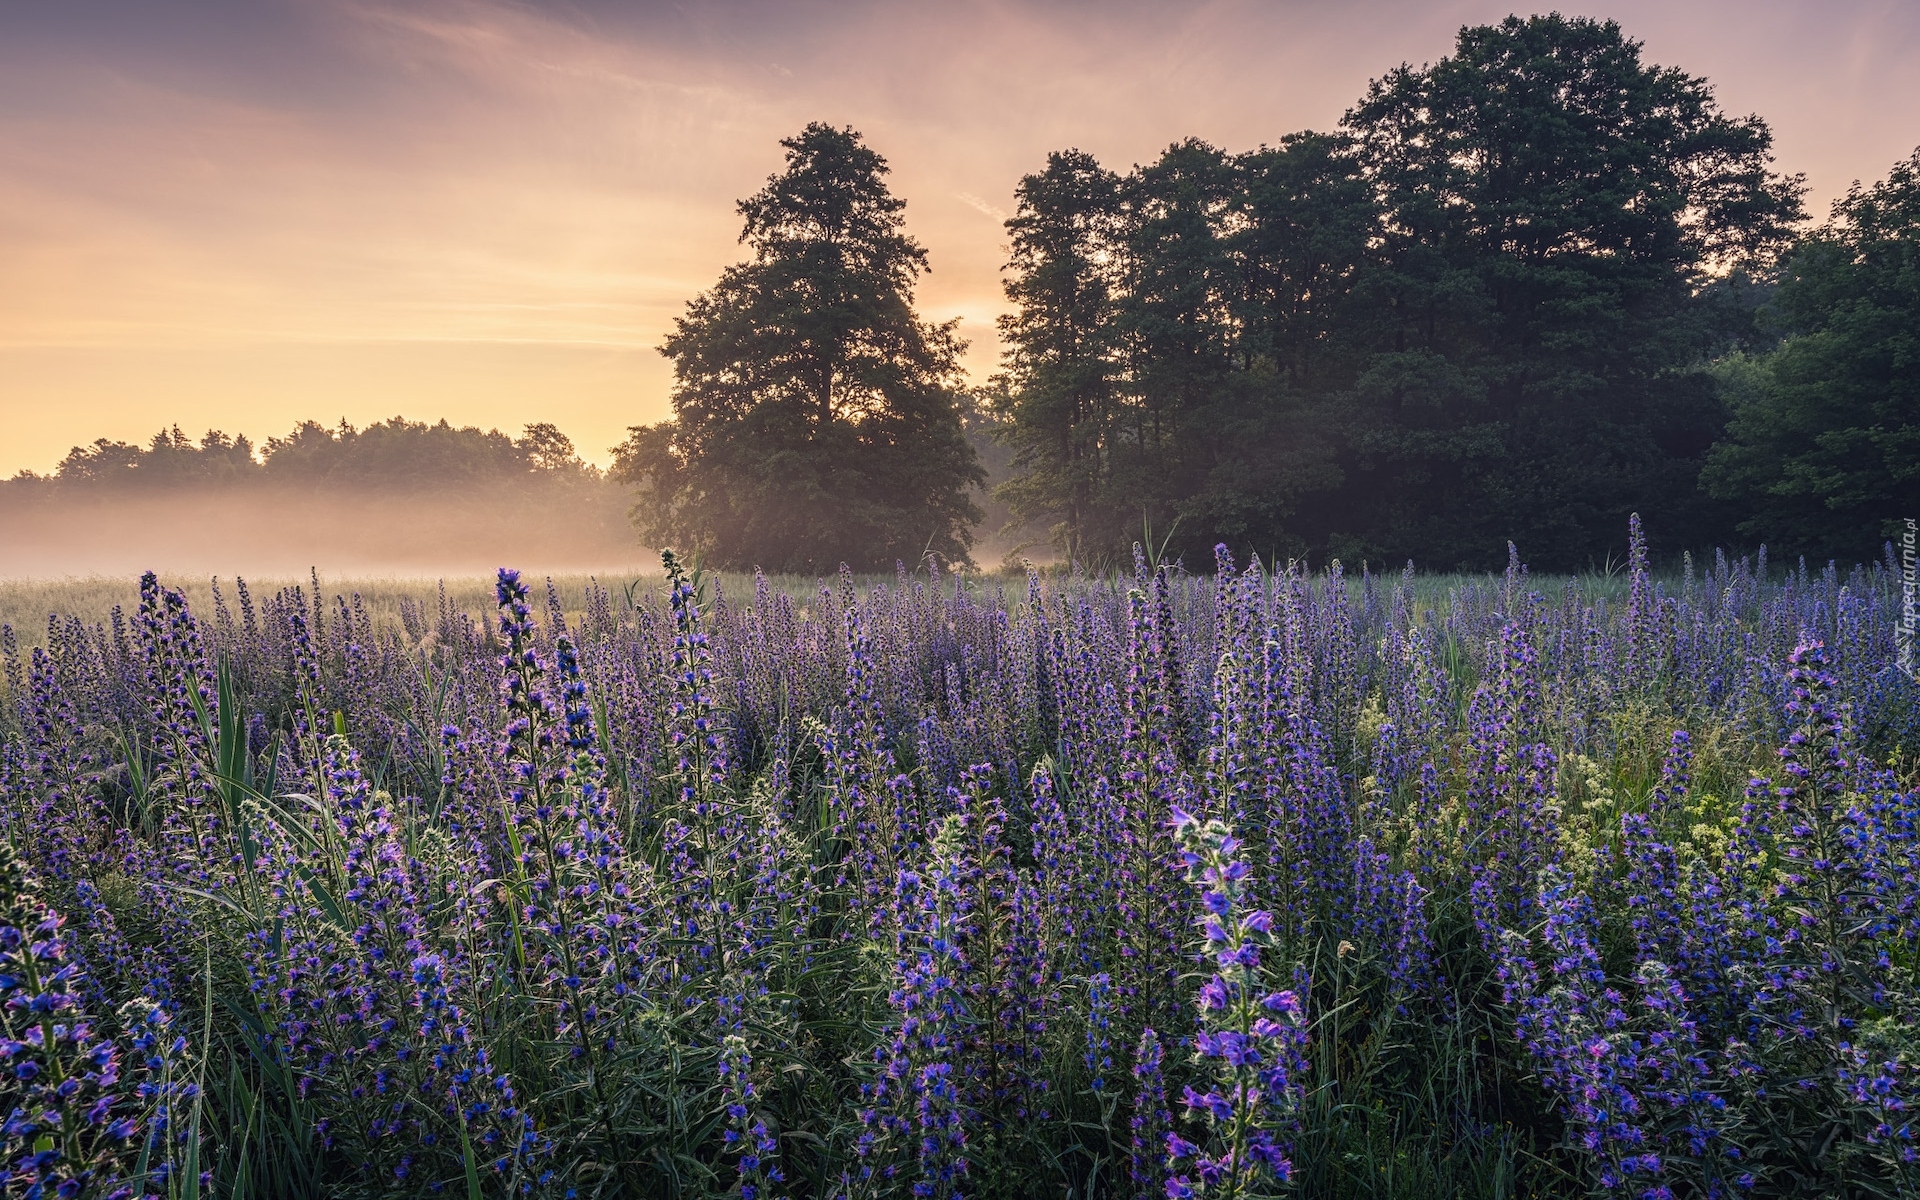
[[1822, 447], [1517, 295], [1479, 311], [392, 454]]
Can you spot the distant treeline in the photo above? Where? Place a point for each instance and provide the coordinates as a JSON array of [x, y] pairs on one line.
[[396, 496], [396, 454], [1516, 295]]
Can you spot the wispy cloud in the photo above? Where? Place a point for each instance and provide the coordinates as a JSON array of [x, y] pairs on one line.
[[978, 205]]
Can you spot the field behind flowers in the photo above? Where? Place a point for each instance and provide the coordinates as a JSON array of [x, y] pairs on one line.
[[1160, 884]]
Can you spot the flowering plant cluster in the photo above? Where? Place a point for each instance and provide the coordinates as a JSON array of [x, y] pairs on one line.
[[1157, 885], [72, 1127], [1249, 1041]]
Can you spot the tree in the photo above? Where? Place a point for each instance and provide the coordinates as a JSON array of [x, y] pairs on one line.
[[395, 455], [103, 462], [550, 451], [817, 419], [1553, 206], [1056, 392], [1822, 452], [1174, 324], [1295, 240]]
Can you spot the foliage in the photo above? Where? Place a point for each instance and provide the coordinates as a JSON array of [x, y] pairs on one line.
[[396, 453], [1822, 454], [816, 417], [1471, 315], [1058, 393]]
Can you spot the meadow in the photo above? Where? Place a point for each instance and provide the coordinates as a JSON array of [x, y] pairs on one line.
[[1153, 883]]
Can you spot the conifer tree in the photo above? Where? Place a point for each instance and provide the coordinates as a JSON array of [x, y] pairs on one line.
[[817, 418]]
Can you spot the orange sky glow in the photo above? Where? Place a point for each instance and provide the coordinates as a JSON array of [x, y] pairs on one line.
[[237, 215]]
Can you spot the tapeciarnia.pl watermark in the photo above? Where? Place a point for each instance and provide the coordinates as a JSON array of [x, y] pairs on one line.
[[1909, 605]]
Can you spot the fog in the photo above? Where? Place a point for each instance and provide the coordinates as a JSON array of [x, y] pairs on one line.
[[280, 534]]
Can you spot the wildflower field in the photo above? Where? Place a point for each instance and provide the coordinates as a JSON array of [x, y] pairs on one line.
[[1233, 885]]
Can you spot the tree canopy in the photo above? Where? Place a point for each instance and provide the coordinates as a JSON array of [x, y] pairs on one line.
[[817, 418], [1822, 453], [392, 454], [1477, 312]]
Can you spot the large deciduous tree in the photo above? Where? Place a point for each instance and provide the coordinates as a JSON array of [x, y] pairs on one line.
[[1553, 205], [817, 418]]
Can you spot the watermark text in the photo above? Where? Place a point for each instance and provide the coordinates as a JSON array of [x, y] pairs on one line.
[[1903, 634]]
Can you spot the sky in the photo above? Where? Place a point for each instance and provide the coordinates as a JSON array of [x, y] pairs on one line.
[[237, 214]]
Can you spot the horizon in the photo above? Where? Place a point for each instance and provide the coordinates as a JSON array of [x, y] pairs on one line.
[[235, 216]]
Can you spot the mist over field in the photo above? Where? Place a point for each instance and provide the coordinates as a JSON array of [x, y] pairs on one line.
[[396, 499], [282, 534], [268, 532]]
